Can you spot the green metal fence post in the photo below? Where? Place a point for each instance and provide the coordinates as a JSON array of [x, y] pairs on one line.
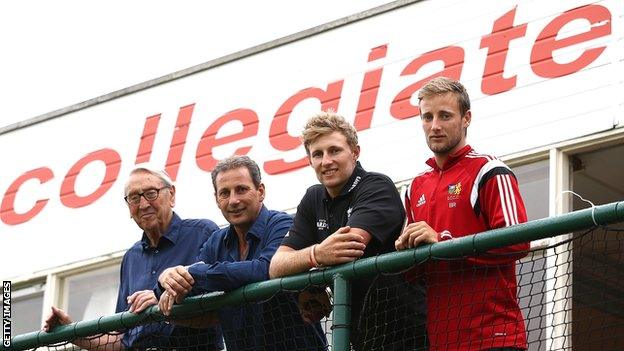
[[342, 314]]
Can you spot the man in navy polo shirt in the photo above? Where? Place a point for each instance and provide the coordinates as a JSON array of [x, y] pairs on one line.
[[167, 240], [238, 255], [352, 213]]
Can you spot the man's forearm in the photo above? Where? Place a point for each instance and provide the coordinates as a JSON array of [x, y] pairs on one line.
[[106, 342], [289, 261], [226, 276]]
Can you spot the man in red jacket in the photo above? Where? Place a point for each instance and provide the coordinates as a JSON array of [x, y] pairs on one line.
[[472, 302]]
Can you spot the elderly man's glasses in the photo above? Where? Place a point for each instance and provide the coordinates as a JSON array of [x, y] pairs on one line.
[[149, 195]]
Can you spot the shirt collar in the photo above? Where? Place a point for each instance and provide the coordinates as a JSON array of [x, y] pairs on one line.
[[352, 183], [451, 160], [171, 234], [257, 228]]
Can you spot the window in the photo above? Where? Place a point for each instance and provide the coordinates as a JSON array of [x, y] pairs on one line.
[[533, 182], [598, 256], [92, 294], [27, 308]]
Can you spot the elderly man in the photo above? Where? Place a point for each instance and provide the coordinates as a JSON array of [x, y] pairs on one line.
[[239, 255], [167, 240]]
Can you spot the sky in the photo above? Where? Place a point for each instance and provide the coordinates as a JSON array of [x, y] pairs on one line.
[[59, 53]]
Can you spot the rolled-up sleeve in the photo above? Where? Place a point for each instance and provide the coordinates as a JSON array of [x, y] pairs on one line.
[[221, 275]]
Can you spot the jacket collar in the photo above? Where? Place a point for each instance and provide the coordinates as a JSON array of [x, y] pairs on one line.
[[451, 160], [352, 183], [256, 231]]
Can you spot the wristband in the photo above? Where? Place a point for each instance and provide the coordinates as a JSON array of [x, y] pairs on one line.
[[313, 262]]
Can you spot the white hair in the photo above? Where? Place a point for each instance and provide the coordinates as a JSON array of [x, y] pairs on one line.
[[144, 167]]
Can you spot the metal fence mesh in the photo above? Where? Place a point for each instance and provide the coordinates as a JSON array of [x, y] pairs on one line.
[[570, 292]]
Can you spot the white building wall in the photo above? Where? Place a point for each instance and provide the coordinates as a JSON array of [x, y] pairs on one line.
[[90, 219]]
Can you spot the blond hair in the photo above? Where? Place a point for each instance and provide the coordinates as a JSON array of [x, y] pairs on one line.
[[443, 85], [325, 123]]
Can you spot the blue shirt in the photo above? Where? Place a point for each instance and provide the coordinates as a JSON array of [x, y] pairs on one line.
[[140, 268], [270, 325]]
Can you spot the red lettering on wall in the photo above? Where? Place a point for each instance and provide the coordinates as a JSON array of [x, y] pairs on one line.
[[370, 89], [589, 22], [542, 61], [497, 43], [204, 157], [7, 210], [453, 59], [178, 140], [278, 134], [111, 160], [147, 139]]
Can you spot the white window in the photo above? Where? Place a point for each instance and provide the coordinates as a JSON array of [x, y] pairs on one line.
[[26, 309], [92, 294], [533, 182]]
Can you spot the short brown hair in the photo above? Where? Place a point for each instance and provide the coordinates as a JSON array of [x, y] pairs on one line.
[[443, 85], [234, 162], [327, 122]]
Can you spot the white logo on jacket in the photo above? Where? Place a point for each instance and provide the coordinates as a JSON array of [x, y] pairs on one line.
[[355, 183], [321, 224], [421, 200]]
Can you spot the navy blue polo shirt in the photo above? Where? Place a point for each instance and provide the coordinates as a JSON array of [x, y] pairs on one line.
[[140, 268], [270, 325]]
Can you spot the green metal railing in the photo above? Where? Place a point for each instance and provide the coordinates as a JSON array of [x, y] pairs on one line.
[[339, 276]]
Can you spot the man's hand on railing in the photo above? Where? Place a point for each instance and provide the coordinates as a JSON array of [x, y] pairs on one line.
[[206, 319], [141, 300], [341, 247], [56, 317], [104, 342], [415, 234], [167, 301], [176, 281]]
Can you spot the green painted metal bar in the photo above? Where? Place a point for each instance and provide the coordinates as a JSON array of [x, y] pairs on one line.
[[342, 314], [392, 262]]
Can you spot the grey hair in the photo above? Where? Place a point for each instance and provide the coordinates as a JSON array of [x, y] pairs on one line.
[[234, 162], [161, 174]]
